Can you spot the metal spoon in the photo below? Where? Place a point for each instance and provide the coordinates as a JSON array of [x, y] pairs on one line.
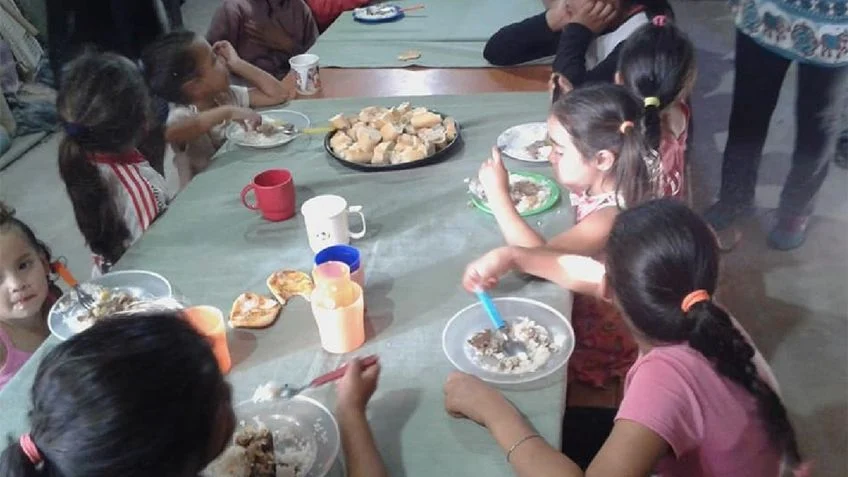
[[289, 392], [511, 346]]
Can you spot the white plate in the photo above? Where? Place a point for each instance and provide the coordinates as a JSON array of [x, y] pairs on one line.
[[377, 12], [236, 132], [514, 141], [473, 319]]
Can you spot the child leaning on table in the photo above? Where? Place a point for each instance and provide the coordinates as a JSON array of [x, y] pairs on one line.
[[194, 77], [116, 194], [699, 401], [143, 396], [657, 64], [26, 293]]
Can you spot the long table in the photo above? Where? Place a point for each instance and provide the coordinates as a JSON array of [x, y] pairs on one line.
[[448, 33], [421, 234]]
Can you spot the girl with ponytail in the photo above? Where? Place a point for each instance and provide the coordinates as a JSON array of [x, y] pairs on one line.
[[657, 64], [699, 401], [115, 192]]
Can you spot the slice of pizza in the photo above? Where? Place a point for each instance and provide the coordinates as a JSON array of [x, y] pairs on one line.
[[254, 311], [285, 284]]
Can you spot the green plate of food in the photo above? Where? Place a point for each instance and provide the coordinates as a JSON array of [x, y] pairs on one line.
[[531, 193]]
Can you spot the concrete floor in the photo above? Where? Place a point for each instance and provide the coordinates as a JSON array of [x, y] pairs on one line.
[[795, 304]]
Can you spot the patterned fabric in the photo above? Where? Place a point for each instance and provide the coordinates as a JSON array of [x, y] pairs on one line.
[[811, 31], [604, 348]]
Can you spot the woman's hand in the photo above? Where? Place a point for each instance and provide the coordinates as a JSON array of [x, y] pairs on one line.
[[485, 272], [225, 50], [595, 15], [468, 397], [356, 387], [495, 180]]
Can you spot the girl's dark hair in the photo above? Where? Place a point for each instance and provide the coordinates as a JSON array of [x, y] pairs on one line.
[[134, 396], [9, 221], [169, 63], [659, 62], [593, 115], [657, 254], [105, 107]]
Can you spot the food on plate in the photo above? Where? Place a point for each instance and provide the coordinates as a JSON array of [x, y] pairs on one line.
[[285, 284], [384, 136], [526, 193], [540, 150], [488, 352], [267, 133], [256, 451], [107, 302], [409, 55], [254, 311]]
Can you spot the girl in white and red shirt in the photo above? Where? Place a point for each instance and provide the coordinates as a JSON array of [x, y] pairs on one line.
[[116, 194]]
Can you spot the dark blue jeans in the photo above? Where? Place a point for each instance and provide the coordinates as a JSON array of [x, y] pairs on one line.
[[822, 92]]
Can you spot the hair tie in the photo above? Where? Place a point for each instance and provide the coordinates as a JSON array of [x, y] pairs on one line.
[[626, 126], [694, 298], [29, 448], [652, 101], [74, 130], [659, 20], [805, 469]]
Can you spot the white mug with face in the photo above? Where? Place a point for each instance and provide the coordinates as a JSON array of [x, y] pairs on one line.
[[326, 218]]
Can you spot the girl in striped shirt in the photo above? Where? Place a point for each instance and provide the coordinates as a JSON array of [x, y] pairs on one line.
[[116, 193]]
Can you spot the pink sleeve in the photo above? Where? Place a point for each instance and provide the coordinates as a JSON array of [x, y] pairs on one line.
[[659, 398]]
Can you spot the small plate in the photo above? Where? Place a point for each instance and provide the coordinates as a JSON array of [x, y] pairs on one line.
[[473, 319], [514, 142], [552, 199], [378, 13], [236, 132]]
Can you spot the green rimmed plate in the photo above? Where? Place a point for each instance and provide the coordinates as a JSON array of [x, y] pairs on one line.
[[552, 199]]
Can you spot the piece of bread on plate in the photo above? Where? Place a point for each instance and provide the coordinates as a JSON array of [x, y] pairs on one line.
[[251, 310], [285, 284]]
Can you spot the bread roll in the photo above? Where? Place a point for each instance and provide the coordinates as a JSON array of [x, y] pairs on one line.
[[450, 128], [368, 114], [339, 122], [390, 132], [410, 154], [425, 120], [403, 108], [406, 140], [340, 140], [369, 137], [383, 153], [356, 153]]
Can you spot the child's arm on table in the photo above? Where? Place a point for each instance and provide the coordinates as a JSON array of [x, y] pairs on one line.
[[573, 272], [360, 451], [183, 130], [266, 90]]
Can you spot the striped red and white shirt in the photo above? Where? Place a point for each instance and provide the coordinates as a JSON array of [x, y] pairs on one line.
[[139, 192]]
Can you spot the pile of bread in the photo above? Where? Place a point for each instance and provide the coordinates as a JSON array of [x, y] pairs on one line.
[[384, 136]]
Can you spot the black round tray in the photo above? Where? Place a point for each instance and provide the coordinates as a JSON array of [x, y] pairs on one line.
[[437, 157]]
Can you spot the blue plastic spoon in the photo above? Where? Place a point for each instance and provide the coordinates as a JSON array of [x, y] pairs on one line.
[[511, 347]]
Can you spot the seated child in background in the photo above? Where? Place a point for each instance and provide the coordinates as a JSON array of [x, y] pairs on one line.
[[116, 194], [26, 293], [144, 397], [266, 33], [657, 64], [327, 11], [185, 70]]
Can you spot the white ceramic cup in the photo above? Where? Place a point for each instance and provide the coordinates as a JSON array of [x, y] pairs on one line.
[[326, 218], [306, 69]]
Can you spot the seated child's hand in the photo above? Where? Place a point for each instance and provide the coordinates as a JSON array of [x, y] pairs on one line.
[[595, 15], [495, 179], [487, 270], [225, 50], [246, 116], [356, 387], [558, 14], [468, 397]]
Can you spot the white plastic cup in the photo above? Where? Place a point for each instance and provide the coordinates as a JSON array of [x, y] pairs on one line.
[[306, 71]]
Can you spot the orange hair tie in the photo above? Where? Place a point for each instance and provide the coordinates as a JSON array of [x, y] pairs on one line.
[[626, 126], [694, 298]]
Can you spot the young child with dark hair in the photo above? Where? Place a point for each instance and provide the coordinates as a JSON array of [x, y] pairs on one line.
[[115, 192], [657, 64], [700, 400], [142, 396], [194, 76], [26, 293]]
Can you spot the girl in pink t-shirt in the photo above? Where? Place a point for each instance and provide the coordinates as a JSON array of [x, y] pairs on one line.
[[699, 401]]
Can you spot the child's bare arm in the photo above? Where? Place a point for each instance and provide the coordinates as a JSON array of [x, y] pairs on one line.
[[190, 128], [588, 237], [515, 230], [266, 90]]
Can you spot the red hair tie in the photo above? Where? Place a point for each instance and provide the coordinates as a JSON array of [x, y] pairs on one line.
[[659, 20], [29, 448]]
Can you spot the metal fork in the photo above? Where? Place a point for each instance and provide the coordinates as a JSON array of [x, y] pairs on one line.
[[290, 391], [84, 299]]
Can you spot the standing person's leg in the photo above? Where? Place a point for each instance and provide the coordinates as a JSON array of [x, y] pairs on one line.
[[756, 87], [821, 98]]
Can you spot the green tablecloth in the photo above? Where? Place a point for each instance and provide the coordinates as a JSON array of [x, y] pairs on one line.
[[421, 234], [448, 33]]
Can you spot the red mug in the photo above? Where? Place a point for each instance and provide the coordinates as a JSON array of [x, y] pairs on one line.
[[274, 190]]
